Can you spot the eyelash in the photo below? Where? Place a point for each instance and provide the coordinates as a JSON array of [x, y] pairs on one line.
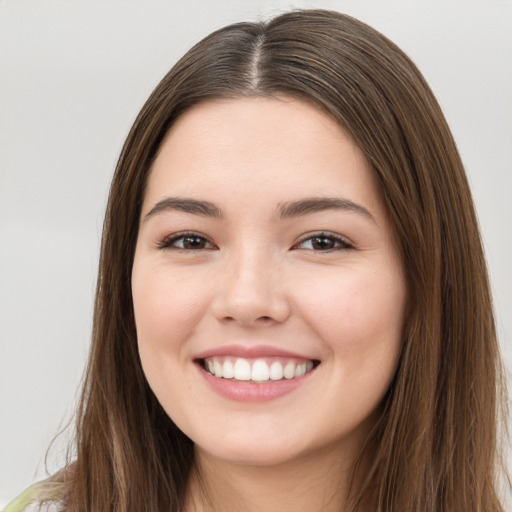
[[167, 243], [339, 242]]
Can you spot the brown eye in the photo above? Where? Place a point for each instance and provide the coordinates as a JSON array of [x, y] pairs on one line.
[[324, 242], [193, 242], [187, 241]]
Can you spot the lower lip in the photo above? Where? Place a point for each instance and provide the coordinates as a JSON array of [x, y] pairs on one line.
[[240, 391]]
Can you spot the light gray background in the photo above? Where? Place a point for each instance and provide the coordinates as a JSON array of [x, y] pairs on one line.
[[73, 75]]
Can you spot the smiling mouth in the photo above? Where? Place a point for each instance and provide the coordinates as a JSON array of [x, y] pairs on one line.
[[257, 370]]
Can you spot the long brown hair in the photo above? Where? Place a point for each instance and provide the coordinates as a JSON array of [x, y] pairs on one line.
[[434, 448]]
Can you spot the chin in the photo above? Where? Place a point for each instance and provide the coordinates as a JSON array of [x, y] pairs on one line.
[[248, 455]]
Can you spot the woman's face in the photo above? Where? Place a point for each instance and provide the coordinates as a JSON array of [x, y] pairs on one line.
[[269, 296]]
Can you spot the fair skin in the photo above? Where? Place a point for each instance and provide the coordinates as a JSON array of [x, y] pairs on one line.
[[264, 247]]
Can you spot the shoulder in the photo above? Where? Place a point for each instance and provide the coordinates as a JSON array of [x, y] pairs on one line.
[[45, 496]]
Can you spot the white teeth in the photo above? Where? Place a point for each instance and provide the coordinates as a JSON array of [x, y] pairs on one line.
[[242, 370], [228, 371], [217, 367], [257, 371], [300, 369], [276, 370], [260, 371], [289, 371]]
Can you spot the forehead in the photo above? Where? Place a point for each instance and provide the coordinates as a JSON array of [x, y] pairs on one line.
[[274, 125], [260, 148]]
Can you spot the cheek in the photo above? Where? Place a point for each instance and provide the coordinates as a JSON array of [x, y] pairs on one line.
[[166, 305], [359, 315]]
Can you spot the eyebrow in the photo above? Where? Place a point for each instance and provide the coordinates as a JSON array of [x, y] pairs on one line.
[[317, 204], [182, 204], [286, 210]]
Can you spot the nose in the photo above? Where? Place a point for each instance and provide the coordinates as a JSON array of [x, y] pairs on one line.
[[251, 292]]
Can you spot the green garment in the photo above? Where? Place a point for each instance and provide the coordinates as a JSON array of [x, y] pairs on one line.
[[43, 495]]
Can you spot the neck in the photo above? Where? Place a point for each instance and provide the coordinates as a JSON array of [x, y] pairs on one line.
[[319, 483]]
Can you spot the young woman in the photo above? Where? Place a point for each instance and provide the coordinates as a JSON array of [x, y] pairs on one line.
[[293, 310]]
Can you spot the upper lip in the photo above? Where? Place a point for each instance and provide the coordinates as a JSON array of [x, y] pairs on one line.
[[251, 351]]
